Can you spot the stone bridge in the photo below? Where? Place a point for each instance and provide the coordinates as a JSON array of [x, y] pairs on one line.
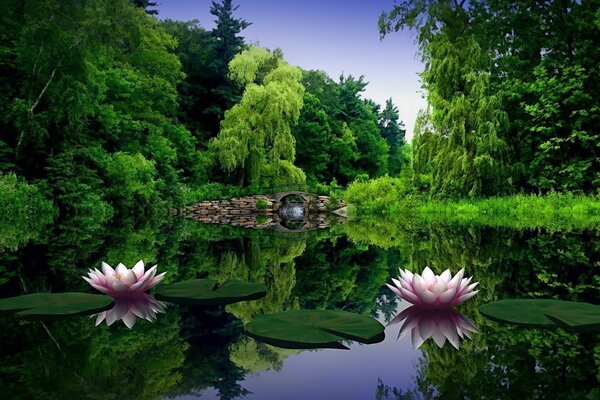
[[307, 197], [262, 211]]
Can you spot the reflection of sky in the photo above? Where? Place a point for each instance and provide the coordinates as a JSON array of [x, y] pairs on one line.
[[336, 374], [336, 36]]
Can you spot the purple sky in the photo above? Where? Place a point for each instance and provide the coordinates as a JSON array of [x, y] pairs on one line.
[[336, 36]]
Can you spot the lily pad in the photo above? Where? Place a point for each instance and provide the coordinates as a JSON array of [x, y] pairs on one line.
[[309, 329], [544, 313], [209, 292], [55, 305]]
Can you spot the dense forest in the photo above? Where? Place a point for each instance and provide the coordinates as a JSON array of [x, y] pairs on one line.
[[108, 111]]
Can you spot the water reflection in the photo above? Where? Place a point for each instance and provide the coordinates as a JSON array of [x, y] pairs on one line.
[[439, 324], [193, 352], [129, 307], [292, 211]]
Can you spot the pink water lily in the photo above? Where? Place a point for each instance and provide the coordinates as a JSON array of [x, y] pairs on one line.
[[123, 281], [439, 324], [129, 308], [433, 291]]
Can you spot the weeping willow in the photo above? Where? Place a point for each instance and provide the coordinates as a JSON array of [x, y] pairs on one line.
[[457, 149], [256, 133]]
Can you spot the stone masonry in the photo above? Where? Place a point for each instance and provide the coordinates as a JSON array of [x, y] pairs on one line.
[[261, 211]]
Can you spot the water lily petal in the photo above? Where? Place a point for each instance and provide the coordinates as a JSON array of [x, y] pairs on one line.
[[397, 282], [409, 296], [429, 276], [129, 319], [107, 269], [406, 275], [438, 288], [95, 285], [100, 317], [417, 340], [454, 282], [394, 289], [138, 269], [418, 284], [150, 273], [139, 309], [446, 276], [128, 277], [449, 330], [427, 297], [466, 296], [426, 327], [118, 286], [447, 296], [155, 280], [140, 285], [406, 285], [121, 269], [438, 338]]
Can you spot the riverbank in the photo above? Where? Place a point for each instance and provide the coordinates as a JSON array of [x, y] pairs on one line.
[[389, 198]]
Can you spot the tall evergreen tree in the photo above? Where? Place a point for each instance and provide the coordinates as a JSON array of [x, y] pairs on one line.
[[227, 44], [392, 130], [145, 4]]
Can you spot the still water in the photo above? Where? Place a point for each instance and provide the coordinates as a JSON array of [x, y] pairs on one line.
[[203, 353]]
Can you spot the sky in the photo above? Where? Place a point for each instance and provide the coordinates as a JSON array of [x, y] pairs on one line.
[[335, 36]]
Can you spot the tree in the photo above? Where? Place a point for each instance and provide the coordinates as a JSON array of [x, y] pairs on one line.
[[145, 4], [520, 77], [256, 133], [392, 130], [461, 145], [546, 68]]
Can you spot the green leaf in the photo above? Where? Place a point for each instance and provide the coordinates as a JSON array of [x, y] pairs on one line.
[[307, 329], [55, 305], [209, 292], [544, 312]]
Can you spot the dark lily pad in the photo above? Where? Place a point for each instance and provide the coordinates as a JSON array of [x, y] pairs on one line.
[[209, 292], [544, 313], [310, 329], [55, 305]]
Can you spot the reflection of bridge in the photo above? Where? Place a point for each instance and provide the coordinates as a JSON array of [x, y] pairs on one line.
[[272, 211]]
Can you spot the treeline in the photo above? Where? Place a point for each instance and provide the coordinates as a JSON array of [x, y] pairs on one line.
[[512, 90], [110, 111]]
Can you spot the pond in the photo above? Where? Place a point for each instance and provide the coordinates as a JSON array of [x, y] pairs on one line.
[[202, 352]]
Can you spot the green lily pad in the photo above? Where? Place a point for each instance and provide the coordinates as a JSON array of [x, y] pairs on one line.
[[55, 305], [209, 292], [544, 313], [309, 329]]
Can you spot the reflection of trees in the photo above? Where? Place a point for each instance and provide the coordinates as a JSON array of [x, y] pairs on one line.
[[385, 392], [505, 361], [254, 356], [82, 362], [335, 274], [210, 331]]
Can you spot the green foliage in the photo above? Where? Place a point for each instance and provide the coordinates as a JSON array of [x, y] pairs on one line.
[[340, 135], [396, 198], [133, 181], [90, 107], [206, 91], [25, 210], [261, 204], [256, 132], [382, 195], [511, 91]]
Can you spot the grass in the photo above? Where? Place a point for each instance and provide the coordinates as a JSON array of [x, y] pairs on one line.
[[393, 199]]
